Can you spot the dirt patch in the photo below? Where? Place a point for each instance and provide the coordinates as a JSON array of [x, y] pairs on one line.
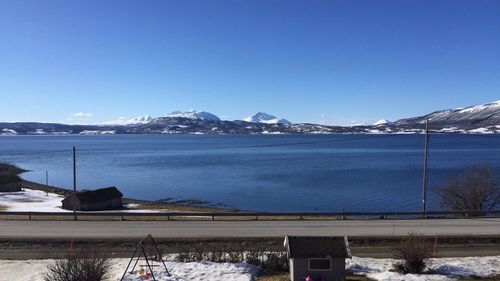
[[3, 208]]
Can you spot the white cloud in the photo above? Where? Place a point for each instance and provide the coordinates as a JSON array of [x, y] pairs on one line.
[[82, 114]]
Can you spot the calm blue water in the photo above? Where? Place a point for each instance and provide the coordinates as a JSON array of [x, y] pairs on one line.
[[255, 172]]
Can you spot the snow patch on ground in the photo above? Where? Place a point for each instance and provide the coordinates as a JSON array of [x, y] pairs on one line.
[[31, 201], [439, 269], [8, 132], [39, 201], [33, 270], [481, 130], [97, 132]]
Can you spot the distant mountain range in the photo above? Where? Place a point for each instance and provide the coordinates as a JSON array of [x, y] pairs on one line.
[[477, 119]]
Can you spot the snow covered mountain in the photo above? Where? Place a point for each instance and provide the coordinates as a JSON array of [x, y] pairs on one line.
[[193, 114], [143, 119], [262, 117], [125, 122], [483, 118], [476, 116], [381, 122]]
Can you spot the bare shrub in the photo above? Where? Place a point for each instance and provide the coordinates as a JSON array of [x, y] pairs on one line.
[[415, 251], [269, 260], [275, 262], [474, 189], [79, 267]]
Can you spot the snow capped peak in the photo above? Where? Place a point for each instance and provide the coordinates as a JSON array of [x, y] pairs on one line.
[[262, 117], [479, 107], [381, 122], [142, 119], [194, 114], [475, 116], [123, 121]]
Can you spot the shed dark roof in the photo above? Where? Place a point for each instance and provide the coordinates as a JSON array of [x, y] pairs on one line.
[[97, 195], [317, 247]]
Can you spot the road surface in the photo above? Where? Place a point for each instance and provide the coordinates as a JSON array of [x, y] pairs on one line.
[[196, 229]]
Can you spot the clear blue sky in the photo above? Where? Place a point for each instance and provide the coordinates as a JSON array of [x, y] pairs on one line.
[[332, 62]]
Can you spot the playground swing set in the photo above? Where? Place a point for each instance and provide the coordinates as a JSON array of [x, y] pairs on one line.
[[148, 250]]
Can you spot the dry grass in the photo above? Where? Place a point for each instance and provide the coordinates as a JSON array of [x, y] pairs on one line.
[[3, 208]]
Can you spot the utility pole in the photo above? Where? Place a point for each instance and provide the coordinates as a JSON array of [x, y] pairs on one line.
[[47, 181], [425, 179], [74, 183]]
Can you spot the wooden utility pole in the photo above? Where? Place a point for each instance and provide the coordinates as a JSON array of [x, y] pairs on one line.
[[74, 183], [47, 181], [425, 179]]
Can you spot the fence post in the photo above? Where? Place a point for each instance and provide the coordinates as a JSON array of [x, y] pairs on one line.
[[29, 216]]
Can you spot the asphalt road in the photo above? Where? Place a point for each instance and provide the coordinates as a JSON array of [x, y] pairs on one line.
[[196, 229]]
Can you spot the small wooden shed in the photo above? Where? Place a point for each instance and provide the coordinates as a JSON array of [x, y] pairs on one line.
[[322, 258], [108, 198]]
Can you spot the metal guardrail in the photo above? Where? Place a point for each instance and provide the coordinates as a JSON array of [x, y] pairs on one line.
[[262, 215]]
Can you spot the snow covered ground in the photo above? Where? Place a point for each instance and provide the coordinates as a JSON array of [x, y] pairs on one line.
[[443, 269], [32, 270], [439, 269], [31, 200]]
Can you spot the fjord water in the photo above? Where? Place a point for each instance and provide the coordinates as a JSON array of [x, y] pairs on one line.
[[257, 172]]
